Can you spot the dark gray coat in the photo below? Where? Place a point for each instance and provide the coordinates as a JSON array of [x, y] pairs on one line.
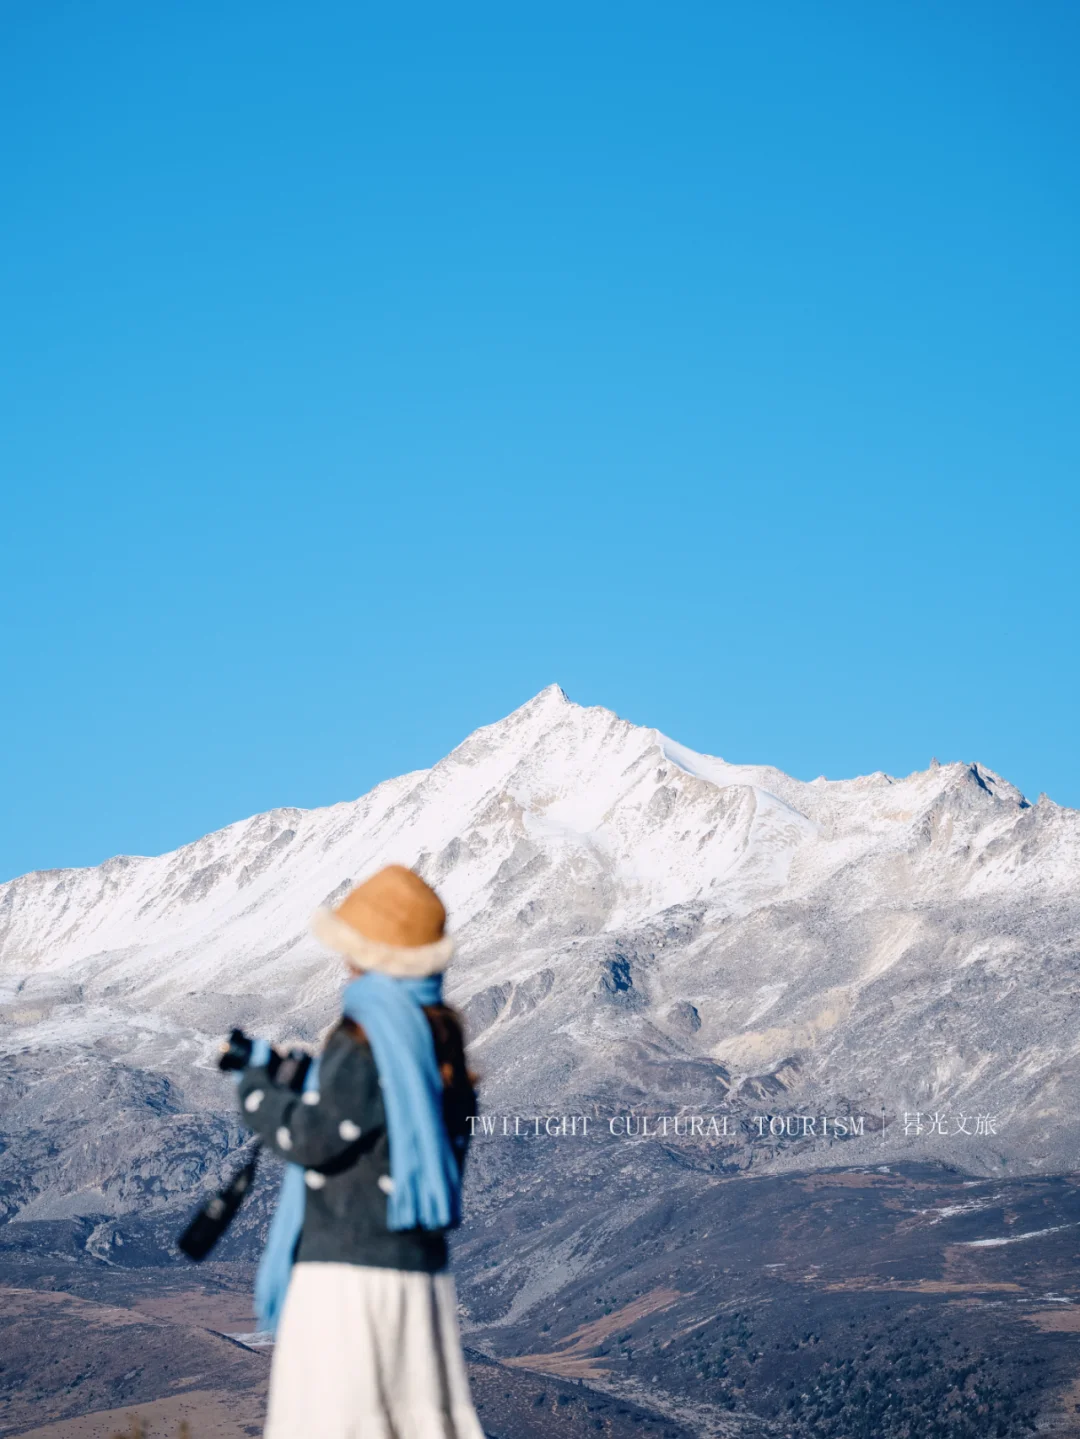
[[339, 1135]]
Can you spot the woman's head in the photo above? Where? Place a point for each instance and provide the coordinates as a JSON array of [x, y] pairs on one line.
[[394, 923]]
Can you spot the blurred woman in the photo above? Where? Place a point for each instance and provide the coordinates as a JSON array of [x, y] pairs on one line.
[[354, 1278]]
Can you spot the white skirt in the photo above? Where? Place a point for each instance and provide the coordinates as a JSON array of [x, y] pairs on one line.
[[366, 1353]]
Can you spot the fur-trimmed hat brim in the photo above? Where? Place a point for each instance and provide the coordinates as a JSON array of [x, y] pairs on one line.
[[415, 962]]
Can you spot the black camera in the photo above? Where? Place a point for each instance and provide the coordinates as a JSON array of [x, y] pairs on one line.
[[289, 1069], [236, 1051], [216, 1214]]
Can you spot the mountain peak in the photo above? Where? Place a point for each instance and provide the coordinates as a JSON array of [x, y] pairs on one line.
[[546, 708], [553, 696]]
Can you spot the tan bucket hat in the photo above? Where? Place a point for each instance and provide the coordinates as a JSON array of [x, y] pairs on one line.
[[393, 922]]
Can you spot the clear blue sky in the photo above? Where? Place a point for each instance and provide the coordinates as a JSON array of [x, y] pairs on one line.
[[364, 369]]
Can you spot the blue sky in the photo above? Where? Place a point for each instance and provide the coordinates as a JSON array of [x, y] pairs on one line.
[[365, 369]]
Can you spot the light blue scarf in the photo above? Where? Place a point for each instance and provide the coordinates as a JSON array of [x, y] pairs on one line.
[[424, 1169]]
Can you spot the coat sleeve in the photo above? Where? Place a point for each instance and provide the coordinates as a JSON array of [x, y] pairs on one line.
[[323, 1128]]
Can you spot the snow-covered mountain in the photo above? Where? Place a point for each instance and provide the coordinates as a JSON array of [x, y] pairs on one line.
[[637, 923]]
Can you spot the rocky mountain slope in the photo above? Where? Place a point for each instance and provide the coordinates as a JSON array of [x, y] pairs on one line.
[[640, 928]]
